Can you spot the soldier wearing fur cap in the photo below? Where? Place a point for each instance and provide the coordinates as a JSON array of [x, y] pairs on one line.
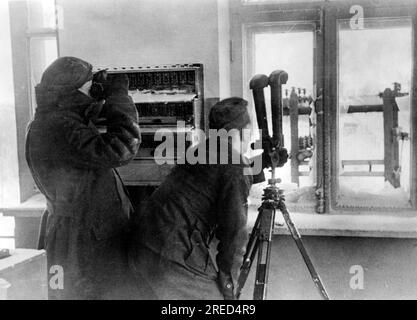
[[73, 165]]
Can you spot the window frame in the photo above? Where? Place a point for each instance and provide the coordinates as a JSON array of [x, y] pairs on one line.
[[21, 35], [325, 14], [38, 33], [341, 12]]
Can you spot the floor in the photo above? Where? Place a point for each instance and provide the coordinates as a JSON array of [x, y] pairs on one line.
[[388, 268]]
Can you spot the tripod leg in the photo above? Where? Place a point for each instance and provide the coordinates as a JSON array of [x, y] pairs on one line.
[[247, 264], [297, 238], [250, 253], [266, 228], [253, 239]]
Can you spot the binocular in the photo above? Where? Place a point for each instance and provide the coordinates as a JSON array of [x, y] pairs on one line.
[[274, 154]]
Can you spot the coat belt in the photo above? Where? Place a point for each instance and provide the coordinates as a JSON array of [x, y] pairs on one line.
[[63, 209]]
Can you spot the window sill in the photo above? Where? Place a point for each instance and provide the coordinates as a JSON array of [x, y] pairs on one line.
[[351, 224], [31, 208], [340, 223]]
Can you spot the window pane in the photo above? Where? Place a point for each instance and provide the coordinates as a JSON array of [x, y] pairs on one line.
[[41, 14], [290, 51], [290, 47], [43, 51], [374, 158]]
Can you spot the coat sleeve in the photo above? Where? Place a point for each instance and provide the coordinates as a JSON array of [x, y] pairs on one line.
[[231, 229], [111, 149]]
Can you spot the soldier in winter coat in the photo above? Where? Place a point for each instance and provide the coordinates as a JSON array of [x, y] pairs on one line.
[[73, 165]]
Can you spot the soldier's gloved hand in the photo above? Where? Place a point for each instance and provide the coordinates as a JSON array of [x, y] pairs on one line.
[[283, 157], [264, 156], [98, 88], [119, 85], [94, 110], [118, 101], [226, 286]]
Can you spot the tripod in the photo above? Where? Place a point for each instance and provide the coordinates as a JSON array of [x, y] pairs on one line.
[[261, 239], [273, 198]]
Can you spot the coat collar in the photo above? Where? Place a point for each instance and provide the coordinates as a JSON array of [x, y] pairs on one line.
[[55, 99]]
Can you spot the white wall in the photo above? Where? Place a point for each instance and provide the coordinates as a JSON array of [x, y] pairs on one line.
[[146, 32], [224, 48]]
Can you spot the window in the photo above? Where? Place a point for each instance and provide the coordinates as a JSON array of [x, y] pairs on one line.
[[41, 14], [34, 43], [374, 161], [289, 47], [43, 44], [364, 153], [43, 51]]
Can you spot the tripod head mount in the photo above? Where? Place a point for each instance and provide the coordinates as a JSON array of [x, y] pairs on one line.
[[273, 182], [272, 197]]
